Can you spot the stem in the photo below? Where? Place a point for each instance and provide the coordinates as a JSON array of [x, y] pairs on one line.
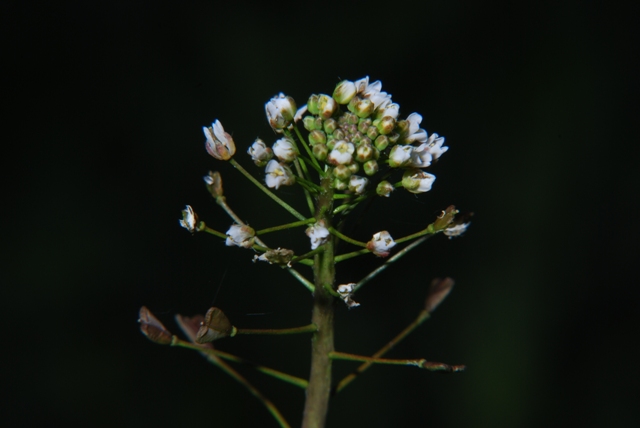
[[286, 226], [346, 238], [421, 363], [346, 256], [422, 317], [388, 263], [304, 281], [268, 192], [318, 391], [312, 158], [294, 330]]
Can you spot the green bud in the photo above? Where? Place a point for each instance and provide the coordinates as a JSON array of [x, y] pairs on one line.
[[319, 123], [356, 138], [352, 119], [342, 172], [330, 125], [385, 125], [370, 167], [339, 184], [344, 92], [339, 134], [402, 127], [381, 142], [363, 125], [364, 108], [364, 152], [384, 188], [327, 106], [354, 167], [317, 137], [393, 138], [372, 132], [331, 141], [312, 104], [320, 151], [309, 123]]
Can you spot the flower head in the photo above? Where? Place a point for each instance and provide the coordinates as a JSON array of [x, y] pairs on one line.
[[260, 153], [285, 150], [241, 236], [381, 243], [219, 144], [280, 111], [417, 181], [278, 175], [189, 219], [318, 233]]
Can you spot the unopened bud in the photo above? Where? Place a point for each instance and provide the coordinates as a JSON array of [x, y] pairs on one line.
[[439, 289], [215, 326], [363, 125], [445, 218], [309, 123], [151, 327], [370, 167], [320, 151], [342, 172], [372, 132], [344, 92], [381, 142], [330, 125], [364, 152], [214, 183], [317, 137], [326, 106], [384, 188], [312, 104], [340, 184], [385, 125]]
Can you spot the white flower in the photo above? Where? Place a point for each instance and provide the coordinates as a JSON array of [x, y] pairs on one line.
[[342, 153], [241, 236], [390, 110], [400, 155], [357, 184], [278, 175], [284, 150], [415, 133], [381, 243], [345, 291], [189, 219], [435, 146], [417, 181], [372, 91], [456, 230], [318, 233], [219, 144], [280, 111], [421, 156], [260, 153]]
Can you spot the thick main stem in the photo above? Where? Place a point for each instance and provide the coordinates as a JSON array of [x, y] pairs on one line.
[[319, 389]]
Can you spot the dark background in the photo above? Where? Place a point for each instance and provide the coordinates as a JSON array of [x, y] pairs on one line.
[[103, 148]]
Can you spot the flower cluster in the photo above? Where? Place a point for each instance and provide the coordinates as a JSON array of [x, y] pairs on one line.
[[355, 132]]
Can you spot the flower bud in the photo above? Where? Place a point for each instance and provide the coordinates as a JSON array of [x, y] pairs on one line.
[[342, 172], [215, 326], [381, 243], [219, 144], [339, 134], [151, 327], [344, 92], [363, 108], [317, 137], [320, 151], [391, 110], [318, 234], [439, 289], [214, 183], [400, 156], [285, 150], [326, 106], [330, 125], [260, 153], [370, 167], [309, 123], [417, 181], [385, 125], [340, 185], [354, 167], [312, 104], [357, 184], [364, 152], [363, 125], [241, 236], [372, 132], [381, 142], [384, 188], [280, 111]]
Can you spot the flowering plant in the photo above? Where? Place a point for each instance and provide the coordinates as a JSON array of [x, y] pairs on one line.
[[356, 143]]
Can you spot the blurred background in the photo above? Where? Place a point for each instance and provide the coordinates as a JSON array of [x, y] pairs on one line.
[[105, 104]]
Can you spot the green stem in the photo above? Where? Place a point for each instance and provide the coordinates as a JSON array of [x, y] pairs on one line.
[[430, 230], [389, 262], [317, 400], [422, 317], [304, 281], [268, 192], [304, 257], [207, 352], [286, 226], [214, 232], [237, 376], [346, 238], [421, 363], [312, 158], [310, 328], [346, 256]]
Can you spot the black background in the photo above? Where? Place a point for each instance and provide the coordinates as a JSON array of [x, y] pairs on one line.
[[104, 104]]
